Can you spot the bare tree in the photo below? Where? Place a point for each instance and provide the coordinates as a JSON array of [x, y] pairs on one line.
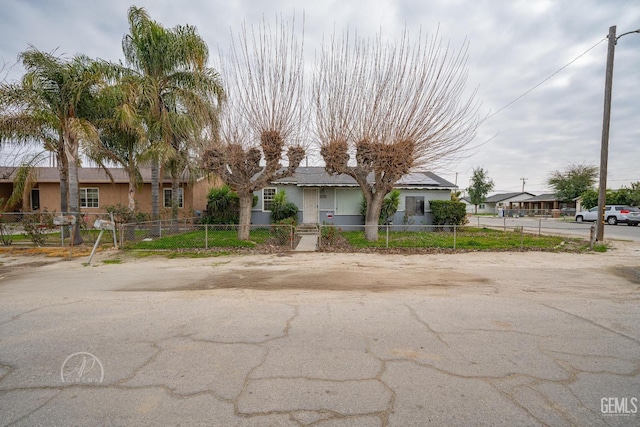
[[384, 109], [263, 118]]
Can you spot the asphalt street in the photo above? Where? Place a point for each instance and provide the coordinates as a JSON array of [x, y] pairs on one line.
[[558, 226], [322, 339]]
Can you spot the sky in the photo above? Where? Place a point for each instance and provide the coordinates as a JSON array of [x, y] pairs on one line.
[[514, 46]]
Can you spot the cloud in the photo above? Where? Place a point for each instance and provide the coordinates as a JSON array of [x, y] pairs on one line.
[[513, 46]]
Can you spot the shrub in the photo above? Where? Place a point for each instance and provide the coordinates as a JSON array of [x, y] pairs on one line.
[[36, 225], [280, 232], [281, 209], [448, 212], [123, 215]]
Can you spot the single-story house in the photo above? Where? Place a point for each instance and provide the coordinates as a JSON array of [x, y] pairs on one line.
[[336, 199], [97, 190], [493, 204], [546, 202]]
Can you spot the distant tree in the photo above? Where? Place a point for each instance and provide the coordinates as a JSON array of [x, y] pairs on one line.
[[385, 108], [573, 181], [589, 199], [479, 187], [634, 197], [456, 196], [263, 119]]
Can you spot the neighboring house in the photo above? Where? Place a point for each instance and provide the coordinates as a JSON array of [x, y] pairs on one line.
[[493, 204], [97, 190], [336, 199], [546, 202]]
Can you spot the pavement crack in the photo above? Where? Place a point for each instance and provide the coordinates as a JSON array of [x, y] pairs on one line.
[[34, 410], [637, 341], [19, 315]]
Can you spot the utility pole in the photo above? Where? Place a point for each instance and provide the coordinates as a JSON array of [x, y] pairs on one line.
[[524, 180], [606, 121], [604, 147]]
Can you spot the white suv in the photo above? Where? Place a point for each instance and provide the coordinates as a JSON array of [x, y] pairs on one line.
[[613, 214]]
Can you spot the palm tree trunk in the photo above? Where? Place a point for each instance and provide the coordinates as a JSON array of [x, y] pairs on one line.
[[71, 151], [155, 196], [175, 199]]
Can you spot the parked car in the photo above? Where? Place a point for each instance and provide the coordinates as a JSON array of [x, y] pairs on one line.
[[613, 214]]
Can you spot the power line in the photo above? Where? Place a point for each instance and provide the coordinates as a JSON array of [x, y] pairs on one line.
[[545, 80]]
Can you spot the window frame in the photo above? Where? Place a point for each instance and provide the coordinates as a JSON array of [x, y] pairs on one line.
[[266, 200], [415, 205], [167, 202], [84, 198]]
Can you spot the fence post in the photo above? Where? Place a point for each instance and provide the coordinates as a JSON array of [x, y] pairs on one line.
[[478, 222], [522, 237], [115, 238], [504, 223], [387, 236], [206, 236], [539, 226], [454, 236]]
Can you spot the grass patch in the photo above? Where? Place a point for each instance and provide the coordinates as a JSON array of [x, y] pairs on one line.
[[112, 261], [600, 247], [468, 238], [200, 239]]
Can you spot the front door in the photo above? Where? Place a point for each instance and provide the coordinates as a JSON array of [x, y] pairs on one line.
[[310, 206]]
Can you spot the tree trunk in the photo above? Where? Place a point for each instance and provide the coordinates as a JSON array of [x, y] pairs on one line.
[[63, 171], [132, 192], [374, 206], [246, 203], [71, 150], [155, 196], [175, 200], [476, 209]]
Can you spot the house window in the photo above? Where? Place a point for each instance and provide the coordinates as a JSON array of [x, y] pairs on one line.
[[35, 199], [268, 194], [89, 198], [168, 194], [414, 206], [481, 206]]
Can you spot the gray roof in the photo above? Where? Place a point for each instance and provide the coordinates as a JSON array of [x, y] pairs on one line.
[[503, 196], [316, 176], [543, 198], [85, 175]]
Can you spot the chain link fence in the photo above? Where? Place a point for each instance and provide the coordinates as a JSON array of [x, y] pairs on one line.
[[44, 229], [485, 234], [187, 234]]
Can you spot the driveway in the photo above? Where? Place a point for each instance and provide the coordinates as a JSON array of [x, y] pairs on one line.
[[322, 339]]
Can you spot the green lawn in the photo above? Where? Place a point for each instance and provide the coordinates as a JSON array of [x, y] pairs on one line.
[[196, 239], [468, 238]]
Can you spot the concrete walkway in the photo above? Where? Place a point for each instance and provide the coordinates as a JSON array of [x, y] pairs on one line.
[[308, 243]]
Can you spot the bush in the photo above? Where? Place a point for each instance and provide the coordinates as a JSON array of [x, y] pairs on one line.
[[448, 212], [123, 215], [281, 233], [36, 226], [282, 210]]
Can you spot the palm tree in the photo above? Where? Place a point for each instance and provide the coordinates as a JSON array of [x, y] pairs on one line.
[[53, 99], [123, 139], [171, 67]]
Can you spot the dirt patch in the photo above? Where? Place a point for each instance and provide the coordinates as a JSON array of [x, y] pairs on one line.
[[333, 280], [632, 274]]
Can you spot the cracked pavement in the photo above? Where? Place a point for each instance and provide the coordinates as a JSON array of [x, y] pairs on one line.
[[322, 340]]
